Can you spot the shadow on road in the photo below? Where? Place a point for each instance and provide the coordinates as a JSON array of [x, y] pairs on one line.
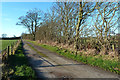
[[61, 65], [34, 64]]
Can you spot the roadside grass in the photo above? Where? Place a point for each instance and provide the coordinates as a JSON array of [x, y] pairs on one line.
[[98, 61], [19, 67]]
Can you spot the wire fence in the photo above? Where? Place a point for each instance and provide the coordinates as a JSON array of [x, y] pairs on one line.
[[9, 50]]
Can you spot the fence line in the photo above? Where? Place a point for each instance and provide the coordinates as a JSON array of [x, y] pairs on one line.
[[10, 50]]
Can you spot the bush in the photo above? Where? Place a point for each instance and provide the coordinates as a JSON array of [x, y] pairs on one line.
[[24, 70]]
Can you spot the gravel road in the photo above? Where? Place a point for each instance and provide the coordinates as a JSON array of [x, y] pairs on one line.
[[56, 66]]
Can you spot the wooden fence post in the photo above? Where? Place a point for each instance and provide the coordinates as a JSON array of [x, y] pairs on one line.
[[113, 47], [13, 51], [8, 50]]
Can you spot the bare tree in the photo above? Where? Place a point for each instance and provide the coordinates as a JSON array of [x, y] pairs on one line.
[[31, 21], [106, 21], [65, 11], [84, 10]]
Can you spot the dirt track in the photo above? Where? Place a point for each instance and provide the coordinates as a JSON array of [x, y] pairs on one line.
[[56, 66]]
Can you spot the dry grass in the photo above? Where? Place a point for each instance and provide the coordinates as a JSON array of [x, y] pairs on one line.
[[112, 55], [91, 52], [61, 45]]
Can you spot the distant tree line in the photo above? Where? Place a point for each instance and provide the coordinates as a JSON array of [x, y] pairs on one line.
[[4, 37], [86, 25]]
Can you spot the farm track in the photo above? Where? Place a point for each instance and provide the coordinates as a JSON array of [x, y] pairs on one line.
[[56, 66]]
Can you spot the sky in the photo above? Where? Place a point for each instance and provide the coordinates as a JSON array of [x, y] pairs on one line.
[[11, 11]]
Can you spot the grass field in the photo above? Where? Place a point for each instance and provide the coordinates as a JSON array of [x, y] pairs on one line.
[[5, 43]]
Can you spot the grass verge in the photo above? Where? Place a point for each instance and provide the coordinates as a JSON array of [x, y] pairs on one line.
[[43, 55], [113, 66], [18, 66]]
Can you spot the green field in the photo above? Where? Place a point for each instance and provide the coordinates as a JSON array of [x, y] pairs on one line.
[[5, 43]]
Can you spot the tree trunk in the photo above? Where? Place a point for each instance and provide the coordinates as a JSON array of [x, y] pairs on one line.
[[78, 27]]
